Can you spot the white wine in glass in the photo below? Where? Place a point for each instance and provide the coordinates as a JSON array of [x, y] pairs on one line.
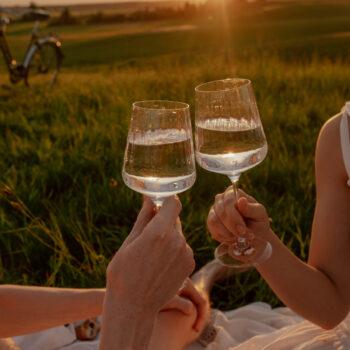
[[230, 140], [159, 156]]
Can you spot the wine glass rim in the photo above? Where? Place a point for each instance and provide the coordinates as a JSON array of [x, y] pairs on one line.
[[183, 105], [199, 88]]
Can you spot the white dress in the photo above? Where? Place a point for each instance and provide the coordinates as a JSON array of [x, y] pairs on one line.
[[253, 327]]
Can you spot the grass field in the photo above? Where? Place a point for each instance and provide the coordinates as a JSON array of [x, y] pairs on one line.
[[61, 152]]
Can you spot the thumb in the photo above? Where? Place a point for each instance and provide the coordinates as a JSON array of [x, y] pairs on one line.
[[145, 216], [254, 211], [179, 303]]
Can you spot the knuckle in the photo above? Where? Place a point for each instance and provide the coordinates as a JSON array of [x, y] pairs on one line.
[[180, 245], [189, 252], [219, 210], [178, 204], [212, 219], [262, 210], [218, 197], [190, 260]]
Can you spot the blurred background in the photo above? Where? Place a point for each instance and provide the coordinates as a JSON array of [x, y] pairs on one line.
[[64, 209]]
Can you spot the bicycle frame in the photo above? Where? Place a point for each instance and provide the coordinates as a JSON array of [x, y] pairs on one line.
[[18, 70], [5, 47]]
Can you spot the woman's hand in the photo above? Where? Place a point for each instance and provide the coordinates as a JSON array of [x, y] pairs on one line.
[[153, 262], [229, 219], [199, 300], [187, 296]]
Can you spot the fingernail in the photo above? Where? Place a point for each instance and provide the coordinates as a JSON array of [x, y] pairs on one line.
[[240, 229]]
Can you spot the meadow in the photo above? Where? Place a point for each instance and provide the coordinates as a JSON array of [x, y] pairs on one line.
[[64, 209]]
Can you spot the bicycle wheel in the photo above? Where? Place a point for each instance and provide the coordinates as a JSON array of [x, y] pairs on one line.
[[44, 61]]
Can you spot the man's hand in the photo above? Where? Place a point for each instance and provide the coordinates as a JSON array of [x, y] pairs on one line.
[[153, 262]]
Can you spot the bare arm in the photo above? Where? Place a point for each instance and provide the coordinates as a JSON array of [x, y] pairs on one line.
[[30, 309], [319, 290]]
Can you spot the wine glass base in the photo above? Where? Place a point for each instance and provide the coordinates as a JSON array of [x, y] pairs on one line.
[[229, 260]]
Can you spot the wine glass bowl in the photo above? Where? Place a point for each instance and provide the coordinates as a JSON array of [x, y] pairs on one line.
[[230, 140], [229, 135], [159, 156]]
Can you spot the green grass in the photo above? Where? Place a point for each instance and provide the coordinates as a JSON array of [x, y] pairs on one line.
[[61, 151]]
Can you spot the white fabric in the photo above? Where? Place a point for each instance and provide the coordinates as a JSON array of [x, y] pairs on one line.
[[345, 139], [258, 327], [61, 337], [252, 327], [50, 339]]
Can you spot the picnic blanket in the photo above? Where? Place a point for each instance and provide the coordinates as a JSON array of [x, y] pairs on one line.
[[252, 327]]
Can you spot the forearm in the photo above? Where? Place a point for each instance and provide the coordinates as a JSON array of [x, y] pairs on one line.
[[30, 309], [303, 288], [124, 328]]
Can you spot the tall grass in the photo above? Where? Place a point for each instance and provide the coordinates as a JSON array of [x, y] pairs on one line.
[[65, 210]]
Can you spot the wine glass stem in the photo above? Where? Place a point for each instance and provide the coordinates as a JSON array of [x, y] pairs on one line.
[[158, 202], [234, 179], [235, 189]]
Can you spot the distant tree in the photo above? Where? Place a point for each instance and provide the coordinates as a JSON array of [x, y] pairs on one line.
[[65, 18], [33, 5], [96, 18]]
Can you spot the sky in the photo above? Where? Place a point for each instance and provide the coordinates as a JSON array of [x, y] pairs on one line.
[[4, 3]]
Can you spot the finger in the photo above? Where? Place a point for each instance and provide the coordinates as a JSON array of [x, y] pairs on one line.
[[190, 291], [236, 224], [178, 226], [179, 303], [249, 198], [202, 310], [145, 216], [253, 211], [226, 211], [163, 222], [217, 229]]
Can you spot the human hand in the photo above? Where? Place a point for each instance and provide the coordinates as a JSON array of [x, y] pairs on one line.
[[229, 219], [199, 299], [187, 296], [151, 265]]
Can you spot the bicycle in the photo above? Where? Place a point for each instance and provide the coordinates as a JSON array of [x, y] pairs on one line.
[[43, 56]]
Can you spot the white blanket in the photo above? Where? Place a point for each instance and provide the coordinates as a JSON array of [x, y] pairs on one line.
[[252, 327]]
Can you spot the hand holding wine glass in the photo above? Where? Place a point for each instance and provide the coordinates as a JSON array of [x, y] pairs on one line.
[[230, 140]]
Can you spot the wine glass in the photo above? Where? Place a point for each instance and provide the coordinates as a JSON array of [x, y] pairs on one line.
[[230, 140], [159, 156]]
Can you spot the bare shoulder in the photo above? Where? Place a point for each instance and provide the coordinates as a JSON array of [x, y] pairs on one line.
[[329, 136], [329, 158]]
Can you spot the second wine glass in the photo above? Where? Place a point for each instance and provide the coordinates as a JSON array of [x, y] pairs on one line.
[[159, 156], [230, 140]]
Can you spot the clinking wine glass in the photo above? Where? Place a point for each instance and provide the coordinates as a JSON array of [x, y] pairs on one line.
[[159, 156], [230, 140]]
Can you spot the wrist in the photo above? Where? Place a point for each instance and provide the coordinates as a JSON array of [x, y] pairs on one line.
[[123, 326], [130, 301], [274, 259]]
